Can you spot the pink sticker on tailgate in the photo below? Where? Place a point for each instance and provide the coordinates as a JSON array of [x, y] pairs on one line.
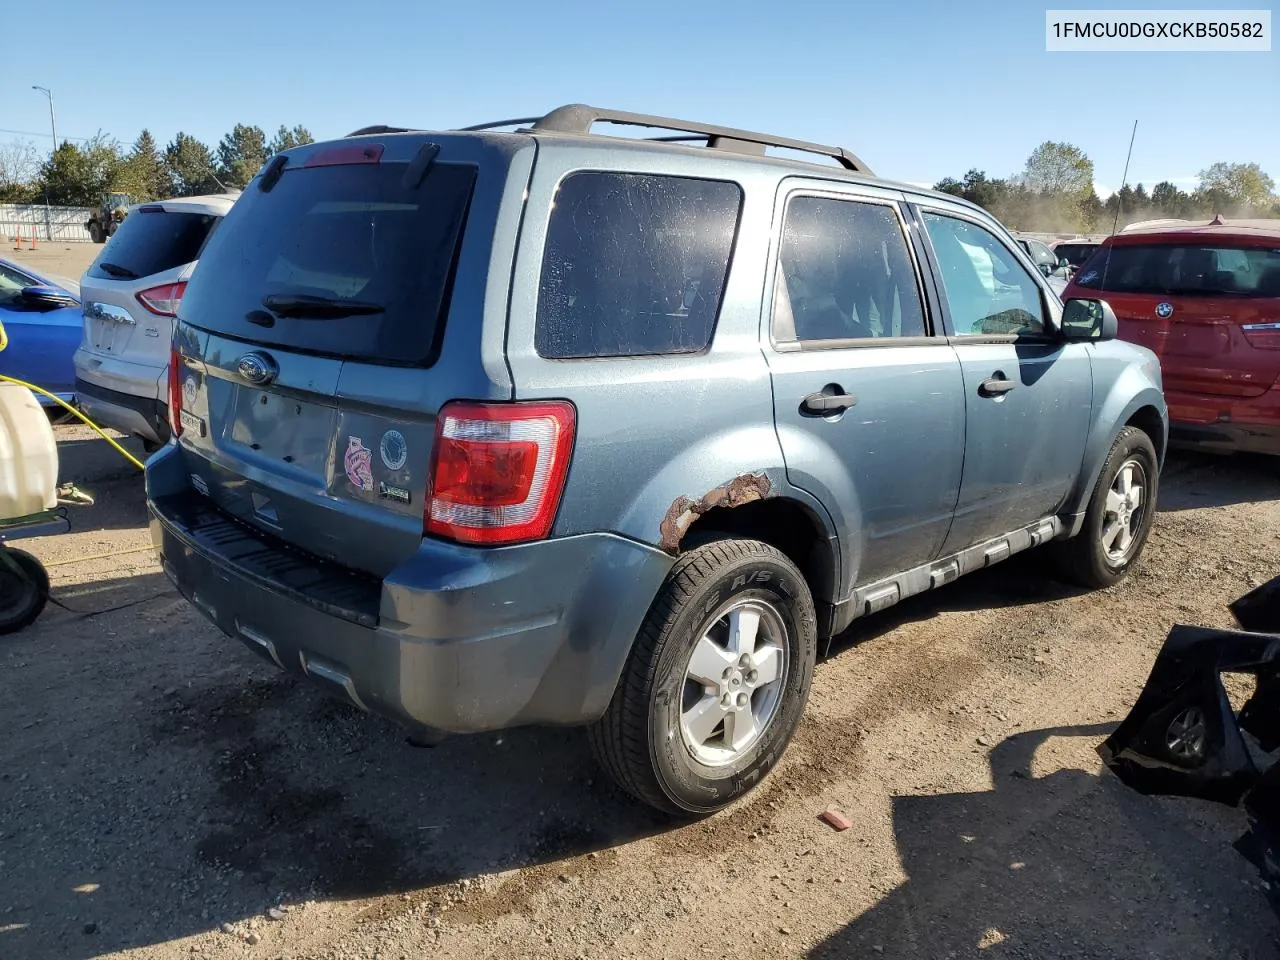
[[359, 464]]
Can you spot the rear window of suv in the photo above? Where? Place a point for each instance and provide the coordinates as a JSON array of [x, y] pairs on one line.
[[1184, 269], [634, 265], [152, 241], [341, 260]]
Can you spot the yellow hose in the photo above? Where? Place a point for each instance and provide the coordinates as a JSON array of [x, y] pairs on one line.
[[70, 409]]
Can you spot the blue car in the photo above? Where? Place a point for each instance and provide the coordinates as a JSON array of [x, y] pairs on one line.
[[43, 320]]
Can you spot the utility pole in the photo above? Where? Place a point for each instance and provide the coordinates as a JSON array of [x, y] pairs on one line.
[[53, 127]]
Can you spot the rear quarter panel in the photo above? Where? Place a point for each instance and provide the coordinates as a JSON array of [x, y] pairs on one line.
[[656, 435]]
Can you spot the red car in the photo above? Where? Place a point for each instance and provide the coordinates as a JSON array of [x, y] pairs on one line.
[[1206, 299]]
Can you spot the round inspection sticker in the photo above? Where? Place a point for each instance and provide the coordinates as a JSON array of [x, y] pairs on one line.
[[393, 449]]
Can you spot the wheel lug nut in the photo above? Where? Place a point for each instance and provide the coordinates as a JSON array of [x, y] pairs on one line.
[[753, 676], [727, 700], [727, 671], [742, 699]]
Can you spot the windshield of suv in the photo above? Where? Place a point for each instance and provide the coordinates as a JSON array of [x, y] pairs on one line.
[[341, 261], [152, 241], [1185, 269]]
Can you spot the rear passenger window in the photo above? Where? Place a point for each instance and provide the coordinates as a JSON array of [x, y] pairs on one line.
[[634, 265], [844, 273]]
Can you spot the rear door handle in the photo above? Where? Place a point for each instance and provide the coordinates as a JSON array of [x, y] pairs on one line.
[[995, 387], [825, 404]]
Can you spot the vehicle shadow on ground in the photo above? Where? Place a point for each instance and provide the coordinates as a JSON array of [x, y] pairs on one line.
[[1193, 481], [165, 780], [1014, 872]]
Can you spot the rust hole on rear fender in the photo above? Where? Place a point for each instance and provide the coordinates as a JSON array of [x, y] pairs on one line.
[[683, 511]]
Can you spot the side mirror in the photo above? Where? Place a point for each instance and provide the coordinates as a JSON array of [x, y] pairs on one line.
[[1045, 269], [47, 298], [1064, 262], [1089, 320]]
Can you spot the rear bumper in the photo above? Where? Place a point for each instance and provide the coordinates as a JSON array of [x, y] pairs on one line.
[[1226, 424], [456, 639], [136, 416]]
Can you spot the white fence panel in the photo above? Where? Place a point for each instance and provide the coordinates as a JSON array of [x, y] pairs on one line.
[[22, 221]]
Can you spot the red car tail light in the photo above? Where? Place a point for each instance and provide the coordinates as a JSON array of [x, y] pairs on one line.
[[1264, 336], [498, 470], [175, 391], [163, 300]]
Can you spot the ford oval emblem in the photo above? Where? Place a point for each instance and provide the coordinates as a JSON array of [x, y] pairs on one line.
[[1164, 310], [257, 368]]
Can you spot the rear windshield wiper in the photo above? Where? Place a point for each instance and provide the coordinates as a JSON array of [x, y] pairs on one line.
[[307, 305], [117, 271]]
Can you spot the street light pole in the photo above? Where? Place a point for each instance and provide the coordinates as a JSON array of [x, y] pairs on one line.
[[53, 127], [52, 124]]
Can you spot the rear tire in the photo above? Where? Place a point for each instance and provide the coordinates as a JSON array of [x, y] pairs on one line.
[[1116, 523], [716, 682], [95, 232], [23, 592]]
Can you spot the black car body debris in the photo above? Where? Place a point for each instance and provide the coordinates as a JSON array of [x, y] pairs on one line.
[[1182, 736]]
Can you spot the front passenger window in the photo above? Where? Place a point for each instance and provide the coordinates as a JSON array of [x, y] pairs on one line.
[[988, 290]]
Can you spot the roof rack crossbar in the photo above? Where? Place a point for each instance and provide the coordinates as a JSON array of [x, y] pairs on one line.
[[579, 118], [518, 122]]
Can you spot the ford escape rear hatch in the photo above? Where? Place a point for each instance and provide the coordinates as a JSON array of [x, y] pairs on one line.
[[304, 333]]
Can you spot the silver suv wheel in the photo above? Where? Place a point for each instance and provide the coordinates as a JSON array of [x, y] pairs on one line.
[[733, 682]]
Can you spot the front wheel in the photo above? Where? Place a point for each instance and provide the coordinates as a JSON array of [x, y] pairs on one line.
[[1120, 514], [95, 232], [716, 682]]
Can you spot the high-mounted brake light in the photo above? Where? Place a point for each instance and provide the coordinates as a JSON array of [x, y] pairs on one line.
[[1264, 336], [339, 156], [163, 300], [175, 391], [498, 470]]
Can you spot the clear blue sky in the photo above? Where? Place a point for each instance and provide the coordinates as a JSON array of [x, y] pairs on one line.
[[919, 90]]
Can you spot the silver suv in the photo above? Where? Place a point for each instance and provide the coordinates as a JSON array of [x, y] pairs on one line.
[[131, 294], [485, 428]]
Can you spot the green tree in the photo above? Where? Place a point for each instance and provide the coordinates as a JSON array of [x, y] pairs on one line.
[[190, 167], [79, 176], [286, 139], [1240, 184], [1168, 200], [144, 175], [241, 154], [1059, 168]]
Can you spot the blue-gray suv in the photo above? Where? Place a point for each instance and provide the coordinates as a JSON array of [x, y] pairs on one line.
[[493, 427]]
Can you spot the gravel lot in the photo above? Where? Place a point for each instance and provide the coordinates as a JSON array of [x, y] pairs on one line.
[[164, 793]]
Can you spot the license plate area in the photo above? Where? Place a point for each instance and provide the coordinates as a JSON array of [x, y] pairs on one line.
[[282, 428], [191, 423]]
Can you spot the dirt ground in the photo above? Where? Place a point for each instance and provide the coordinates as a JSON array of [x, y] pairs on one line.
[[164, 793]]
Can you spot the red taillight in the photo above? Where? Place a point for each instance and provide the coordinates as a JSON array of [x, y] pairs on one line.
[[164, 299], [498, 470], [1264, 336], [175, 391]]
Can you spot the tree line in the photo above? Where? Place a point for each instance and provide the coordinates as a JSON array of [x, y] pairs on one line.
[[81, 175], [1054, 193]]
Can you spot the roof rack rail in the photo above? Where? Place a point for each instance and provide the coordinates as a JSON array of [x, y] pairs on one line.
[[519, 121], [377, 128], [579, 118]]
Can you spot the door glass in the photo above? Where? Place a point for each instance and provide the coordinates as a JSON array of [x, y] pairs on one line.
[[988, 290], [844, 273], [11, 284]]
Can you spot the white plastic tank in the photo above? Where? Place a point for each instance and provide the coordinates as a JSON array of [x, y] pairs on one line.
[[28, 455]]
